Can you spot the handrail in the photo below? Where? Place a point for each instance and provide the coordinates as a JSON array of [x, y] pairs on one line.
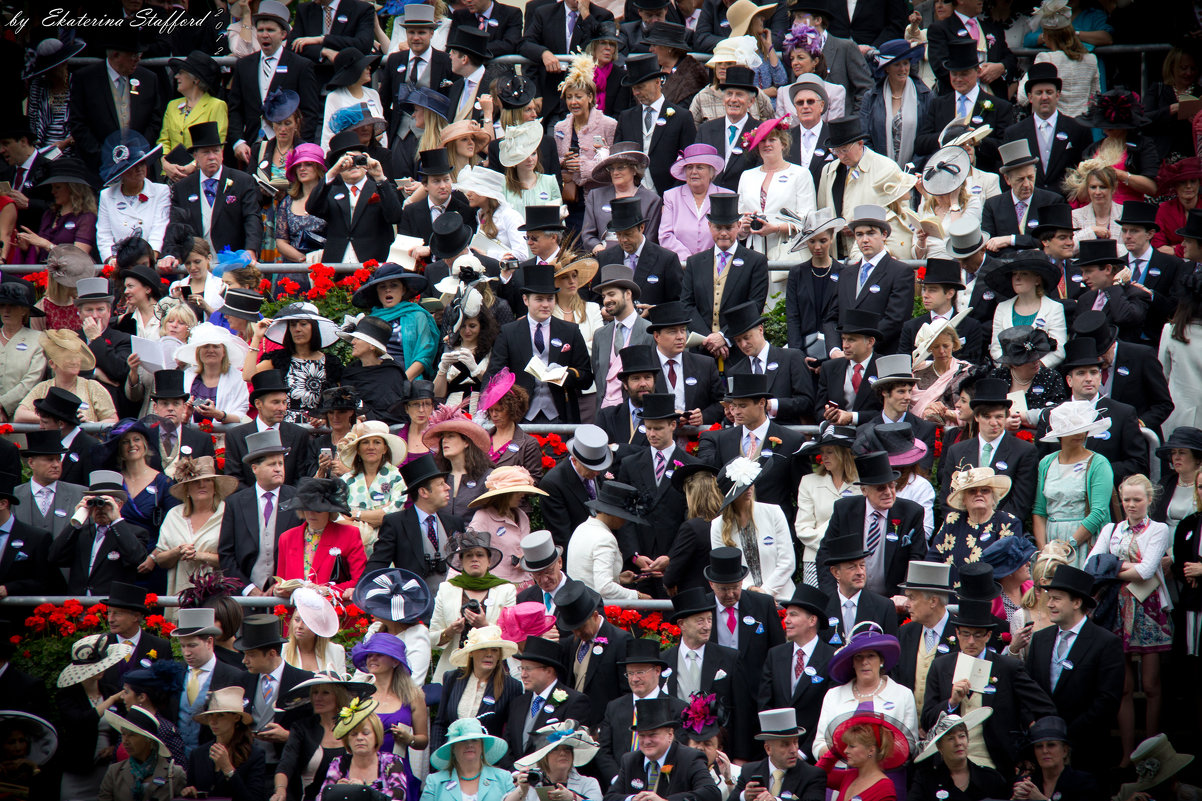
[[269, 601], [542, 428]]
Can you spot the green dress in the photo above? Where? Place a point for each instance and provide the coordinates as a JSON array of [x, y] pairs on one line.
[[1064, 489]]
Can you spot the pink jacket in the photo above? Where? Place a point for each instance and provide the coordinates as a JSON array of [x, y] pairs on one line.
[[337, 537], [683, 228], [598, 125]]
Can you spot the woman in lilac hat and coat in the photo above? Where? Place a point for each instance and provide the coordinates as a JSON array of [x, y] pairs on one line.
[[683, 227], [401, 702]]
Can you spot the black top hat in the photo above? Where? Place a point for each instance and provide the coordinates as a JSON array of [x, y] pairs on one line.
[[348, 66], [977, 583], [59, 404], [1097, 252], [726, 566], [962, 56], [127, 596], [1075, 581], [419, 471], [47, 443], [659, 406], [812, 600], [845, 548], [1080, 352], [259, 631], [201, 65], [449, 235], [724, 208], [434, 162], [620, 500], [641, 67], [742, 318], [667, 34], [543, 218], [516, 91], [874, 468], [945, 272], [145, 275], [168, 384], [242, 303], [1043, 72], [667, 315], [205, 134], [858, 321], [540, 280], [9, 482], [469, 39], [739, 77], [13, 293], [1053, 217], [1137, 212], [817, 8], [991, 392], [1193, 225], [747, 385], [541, 650], [575, 604], [638, 359], [627, 213], [642, 651], [692, 601], [974, 614], [845, 130], [656, 713], [267, 382]]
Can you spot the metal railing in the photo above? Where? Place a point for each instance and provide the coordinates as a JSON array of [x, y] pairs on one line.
[[270, 601]]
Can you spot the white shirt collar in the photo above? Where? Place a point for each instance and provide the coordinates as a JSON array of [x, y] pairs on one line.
[[875, 260], [260, 426], [70, 437], [35, 487], [278, 673], [663, 360], [737, 123], [730, 252], [134, 640], [27, 165], [843, 599], [658, 105], [972, 95], [207, 667], [1145, 257], [113, 74], [763, 354], [992, 442], [684, 649], [941, 626], [1050, 120], [1077, 628], [807, 649], [359, 184], [630, 319], [478, 75], [760, 431], [667, 452]]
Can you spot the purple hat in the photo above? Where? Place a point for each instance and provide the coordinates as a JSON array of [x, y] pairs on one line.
[[696, 154], [301, 154], [866, 636], [381, 643]]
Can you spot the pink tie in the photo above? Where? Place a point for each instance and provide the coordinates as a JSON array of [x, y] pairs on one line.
[[730, 619], [973, 29]]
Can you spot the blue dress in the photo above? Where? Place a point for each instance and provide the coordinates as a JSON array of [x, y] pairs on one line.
[[147, 509]]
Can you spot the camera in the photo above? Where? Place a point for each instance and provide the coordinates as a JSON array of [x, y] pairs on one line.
[[97, 502], [534, 778], [359, 160], [473, 605], [758, 221], [437, 566]]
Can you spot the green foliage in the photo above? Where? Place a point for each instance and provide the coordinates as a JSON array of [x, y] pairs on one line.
[[776, 327]]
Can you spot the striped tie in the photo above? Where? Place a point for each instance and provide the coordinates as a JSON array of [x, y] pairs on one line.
[[874, 533], [660, 465]]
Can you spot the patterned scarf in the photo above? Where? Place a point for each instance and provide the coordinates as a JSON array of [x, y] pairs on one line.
[[141, 772]]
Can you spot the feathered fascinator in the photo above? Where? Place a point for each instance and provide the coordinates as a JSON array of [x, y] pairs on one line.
[[231, 260], [205, 587], [496, 388], [447, 412], [580, 75], [1054, 14], [164, 674], [1119, 108], [1076, 179], [704, 715], [188, 469], [804, 37]]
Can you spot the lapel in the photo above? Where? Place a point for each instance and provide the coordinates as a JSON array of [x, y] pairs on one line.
[[101, 554], [659, 132], [365, 194], [865, 391], [709, 667], [645, 471], [523, 348], [558, 23], [1060, 142], [11, 548]]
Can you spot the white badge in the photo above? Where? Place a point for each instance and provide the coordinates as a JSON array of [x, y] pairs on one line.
[[875, 288], [653, 279], [737, 262], [113, 556], [556, 342], [191, 199], [1001, 465], [1123, 371], [691, 381], [773, 365], [748, 620]]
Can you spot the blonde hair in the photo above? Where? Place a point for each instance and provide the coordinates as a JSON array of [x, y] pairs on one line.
[[432, 133], [1076, 180], [487, 225], [580, 76], [863, 734], [81, 198], [291, 654], [1068, 42], [846, 464], [1140, 480], [729, 522], [373, 722], [1053, 555], [182, 313], [702, 496]]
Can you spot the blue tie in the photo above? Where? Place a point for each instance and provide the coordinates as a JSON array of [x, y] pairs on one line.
[[540, 344], [536, 705], [734, 133], [864, 271], [210, 189], [547, 600]]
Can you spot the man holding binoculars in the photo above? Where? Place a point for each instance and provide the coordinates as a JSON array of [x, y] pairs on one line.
[[98, 546]]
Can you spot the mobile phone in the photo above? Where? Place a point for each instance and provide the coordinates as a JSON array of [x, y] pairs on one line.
[[326, 452], [185, 292], [834, 404]]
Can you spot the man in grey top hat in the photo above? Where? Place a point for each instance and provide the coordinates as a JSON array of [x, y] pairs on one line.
[[98, 546], [784, 773], [1011, 218], [575, 481], [543, 560], [928, 587], [110, 346]]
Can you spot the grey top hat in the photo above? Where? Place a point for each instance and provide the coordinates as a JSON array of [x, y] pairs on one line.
[[107, 482], [871, 215], [779, 724], [262, 443], [894, 369], [419, 14], [90, 289], [538, 551], [591, 448], [199, 622], [1015, 154], [274, 10], [928, 577], [964, 237]]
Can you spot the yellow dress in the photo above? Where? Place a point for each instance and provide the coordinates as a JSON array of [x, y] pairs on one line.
[[176, 123]]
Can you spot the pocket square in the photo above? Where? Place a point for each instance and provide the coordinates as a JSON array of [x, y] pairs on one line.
[[21, 556], [721, 674]]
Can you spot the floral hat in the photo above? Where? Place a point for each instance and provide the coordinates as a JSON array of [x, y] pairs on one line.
[[188, 470], [752, 139], [883, 725], [451, 419], [739, 475], [351, 716]]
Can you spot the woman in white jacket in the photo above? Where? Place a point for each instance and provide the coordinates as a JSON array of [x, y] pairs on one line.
[[1033, 282], [212, 360], [1181, 359], [774, 185], [833, 478], [759, 530]]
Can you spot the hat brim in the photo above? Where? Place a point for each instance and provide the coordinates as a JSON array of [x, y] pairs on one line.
[[225, 485], [841, 669], [620, 283], [207, 715], [74, 674], [869, 481], [348, 75], [1092, 429], [999, 484], [970, 721], [122, 725], [157, 150], [397, 451], [326, 330], [459, 658], [601, 171], [495, 749], [362, 595], [710, 575], [65, 54], [582, 752], [528, 489], [715, 163], [617, 511]]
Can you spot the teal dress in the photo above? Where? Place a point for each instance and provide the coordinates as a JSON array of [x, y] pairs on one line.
[[1074, 495], [545, 193]]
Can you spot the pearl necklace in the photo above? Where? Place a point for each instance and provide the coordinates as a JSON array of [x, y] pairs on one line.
[[879, 687]]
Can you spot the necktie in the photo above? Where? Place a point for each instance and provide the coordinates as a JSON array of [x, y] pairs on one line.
[[672, 373], [416, 74], [582, 651], [652, 776], [265, 79], [432, 533], [268, 508], [123, 101], [327, 18], [1099, 302], [483, 22], [874, 533], [130, 643], [1061, 286], [572, 17], [591, 489], [1105, 375], [929, 639], [1020, 208], [732, 134], [799, 664], [19, 179], [749, 443], [193, 686], [268, 690], [857, 376], [961, 106], [465, 99], [648, 119], [634, 720], [849, 616], [1137, 271], [623, 334], [722, 258], [660, 465], [690, 678], [632, 261], [973, 29], [986, 453], [1045, 142], [865, 271], [210, 190], [730, 619], [169, 442], [536, 705], [45, 496], [778, 775], [1063, 640], [809, 143], [755, 366], [540, 344], [354, 191], [547, 600]]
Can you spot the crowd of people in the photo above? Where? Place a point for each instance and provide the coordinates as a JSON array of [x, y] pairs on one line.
[[874, 333]]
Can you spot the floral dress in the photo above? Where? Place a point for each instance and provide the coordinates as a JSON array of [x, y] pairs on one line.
[[294, 227], [961, 542], [387, 492], [391, 778]]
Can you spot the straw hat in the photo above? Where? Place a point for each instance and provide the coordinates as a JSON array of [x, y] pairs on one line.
[[188, 471], [480, 639], [91, 656], [930, 746], [60, 344], [458, 130], [556, 735], [210, 334], [503, 480], [351, 716], [348, 446], [1075, 417], [929, 332], [227, 700], [585, 269], [520, 142], [141, 722], [741, 13], [964, 480]]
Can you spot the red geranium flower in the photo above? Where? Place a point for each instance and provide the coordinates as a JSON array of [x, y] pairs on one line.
[[280, 610], [15, 639], [921, 272], [1025, 435], [6, 429], [151, 599]]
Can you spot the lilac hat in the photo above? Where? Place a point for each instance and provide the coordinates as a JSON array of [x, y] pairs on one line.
[[381, 643], [697, 154], [866, 636], [300, 154]]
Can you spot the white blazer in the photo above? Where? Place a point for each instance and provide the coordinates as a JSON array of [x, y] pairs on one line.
[[1153, 542], [119, 216], [1183, 368], [984, 184], [448, 602], [815, 502], [1050, 318], [232, 396], [594, 558], [509, 238], [1084, 221], [775, 548], [793, 189]]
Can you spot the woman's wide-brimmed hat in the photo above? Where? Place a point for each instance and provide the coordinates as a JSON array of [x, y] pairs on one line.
[[319, 495], [348, 66], [64, 170], [741, 13], [372, 330], [62, 343], [243, 304], [562, 734], [1185, 437], [1024, 344], [227, 700], [91, 656], [348, 448], [351, 716], [529, 619], [866, 636], [316, 611], [458, 130], [964, 480], [429, 99], [279, 105], [327, 332], [368, 295], [697, 154], [945, 725], [469, 729], [351, 118], [483, 181], [895, 439], [106, 452], [212, 334], [738, 476], [121, 152], [829, 434], [752, 139], [621, 152], [43, 737], [1175, 172], [452, 420], [201, 65], [459, 543], [14, 294], [480, 639], [300, 693], [1075, 417], [620, 500], [304, 153], [504, 480], [924, 340], [883, 725], [520, 142], [188, 470], [741, 50], [894, 50], [1008, 555], [1156, 761], [140, 721], [815, 223], [946, 171], [50, 53], [585, 267], [392, 593], [1117, 109], [381, 644], [68, 265]]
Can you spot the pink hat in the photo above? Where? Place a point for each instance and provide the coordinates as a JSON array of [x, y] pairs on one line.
[[697, 154], [752, 140], [524, 620], [300, 154]]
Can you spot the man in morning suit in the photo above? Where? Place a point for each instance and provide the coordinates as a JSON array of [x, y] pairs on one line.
[[545, 696], [928, 635], [418, 66], [555, 342], [994, 447], [656, 269], [470, 51], [1007, 217], [416, 537], [789, 382], [889, 529], [643, 667], [59, 412], [811, 139], [1016, 699], [641, 773], [125, 612], [276, 67], [325, 27], [725, 133], [269, 396], [757, 437], [595, 650], [1131, 373], [1080, 665], [105, 548], [639, 372], [744, 620], [641, 122], [543, 560], [109, 346], [691, 377], [966, 28], [253, 518], [966, 244], [845, 395], [894, 384], [169, 403], [1055, 233], [221, 204], [1158, 273], [574, 481], [261, 645], [794, 675], [45, 501], [1104, 274], [557, 27], [626, 328], [434, 171], [196, 632], [359, 205], [24, 168], [966, 98], [785, 772], [940, 285], [24, 550], [1059, 139], [843, 562], [501, 22]]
